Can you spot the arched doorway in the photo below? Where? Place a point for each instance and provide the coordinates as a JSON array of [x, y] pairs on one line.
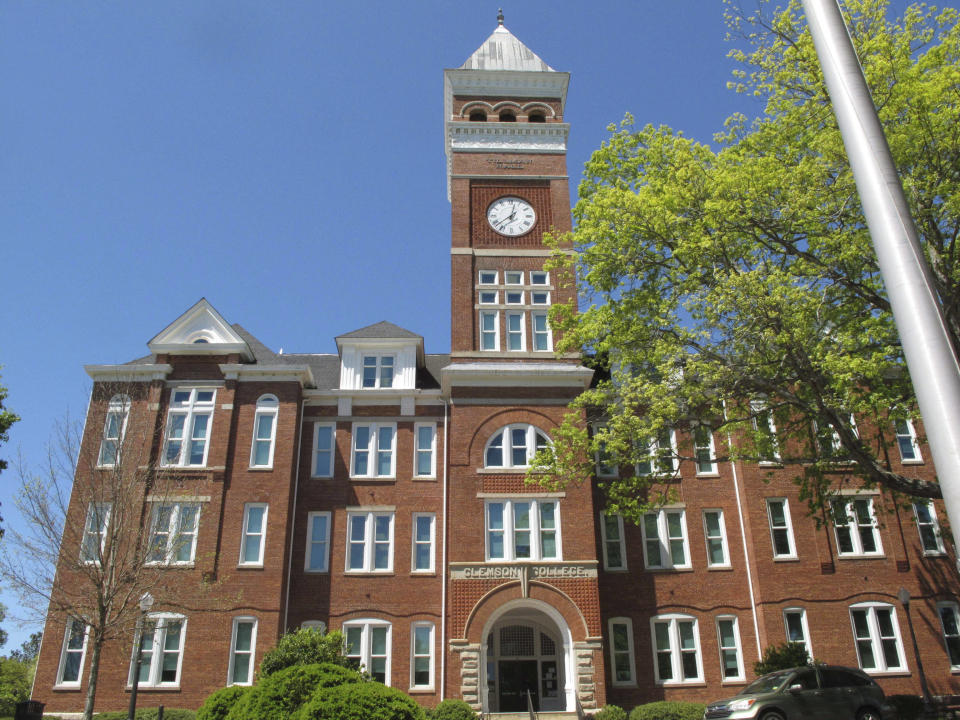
[[526, 650]]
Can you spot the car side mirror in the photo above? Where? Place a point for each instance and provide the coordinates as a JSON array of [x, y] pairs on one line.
[[796, 687]]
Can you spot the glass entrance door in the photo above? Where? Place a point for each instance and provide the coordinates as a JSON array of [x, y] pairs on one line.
[[517, 678]]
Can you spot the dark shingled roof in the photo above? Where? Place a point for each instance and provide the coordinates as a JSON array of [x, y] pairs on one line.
[[382, 329]]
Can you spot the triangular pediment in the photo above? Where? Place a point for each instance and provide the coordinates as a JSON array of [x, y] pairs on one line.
[[201, 330]]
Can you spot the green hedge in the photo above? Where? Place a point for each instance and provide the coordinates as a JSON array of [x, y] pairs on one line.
[[306, 646], [219, 704], [668, 711], [451, 710], [148, 713], [280, 695], [611, 712], [362, 701]]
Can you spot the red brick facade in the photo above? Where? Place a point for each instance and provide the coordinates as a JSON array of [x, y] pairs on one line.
[[515, 583]]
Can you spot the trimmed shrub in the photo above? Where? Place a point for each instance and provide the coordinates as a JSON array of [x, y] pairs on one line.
[[668, 711], [148, 713], [280, 695], [611, 712], [219, 704], [363, 701], [908, 707], [452, 710], [781, 657], [306, 646]]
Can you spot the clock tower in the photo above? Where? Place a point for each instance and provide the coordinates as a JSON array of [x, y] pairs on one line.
[[507, 182], [522, 600]]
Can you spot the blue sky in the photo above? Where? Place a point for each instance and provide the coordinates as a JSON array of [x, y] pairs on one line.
[[282, 159]]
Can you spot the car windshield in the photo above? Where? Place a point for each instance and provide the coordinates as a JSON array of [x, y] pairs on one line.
[[767, 683]]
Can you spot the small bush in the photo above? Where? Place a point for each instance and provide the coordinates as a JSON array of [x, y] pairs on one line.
[[908, 707], [280, 695], [611, 712], [668, 711], [452, 710], [363, 701], [219, 703], [148, 713], [781, 657], [306, 646]]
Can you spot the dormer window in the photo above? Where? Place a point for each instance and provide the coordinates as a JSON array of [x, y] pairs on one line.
[[378, 371]]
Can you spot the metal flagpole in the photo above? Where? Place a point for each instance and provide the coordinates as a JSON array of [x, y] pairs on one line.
[[916, 311]]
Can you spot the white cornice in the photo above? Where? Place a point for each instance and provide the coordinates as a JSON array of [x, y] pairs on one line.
[[548, 138], [505, 374], [259, 373], [128, 373]]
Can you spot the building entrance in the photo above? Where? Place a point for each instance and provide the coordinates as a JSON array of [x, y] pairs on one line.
[[524, 654]]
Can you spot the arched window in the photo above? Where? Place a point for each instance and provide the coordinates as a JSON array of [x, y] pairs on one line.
[[478, 116], [536, 116], [508, 116], [514, 446], [113, 429], [264, 432]]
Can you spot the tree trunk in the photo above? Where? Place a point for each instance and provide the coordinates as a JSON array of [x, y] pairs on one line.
[[92, 677]]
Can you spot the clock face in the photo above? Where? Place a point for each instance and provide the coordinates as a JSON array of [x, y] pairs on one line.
[[511, 216]]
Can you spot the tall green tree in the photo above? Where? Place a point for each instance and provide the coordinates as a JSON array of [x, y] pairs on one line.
[[735, 285], [7, 418]]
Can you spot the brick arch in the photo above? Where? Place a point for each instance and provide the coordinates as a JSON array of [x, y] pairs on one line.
[[500, 419], [547, 110], [475, 105], [539, 593]]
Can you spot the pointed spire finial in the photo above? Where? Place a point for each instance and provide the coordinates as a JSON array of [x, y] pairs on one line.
[[499, 16]]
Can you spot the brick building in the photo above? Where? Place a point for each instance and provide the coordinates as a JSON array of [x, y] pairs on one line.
[[380, 491]]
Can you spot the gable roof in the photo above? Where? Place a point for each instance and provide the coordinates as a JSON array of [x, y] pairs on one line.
[[382, 330], [201, 330], [503, 51]]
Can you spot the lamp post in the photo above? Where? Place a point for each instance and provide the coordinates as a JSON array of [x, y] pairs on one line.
[[904, 596], [146, 602]]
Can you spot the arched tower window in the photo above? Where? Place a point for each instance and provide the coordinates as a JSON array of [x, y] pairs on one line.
[[264, 431], [536, 116], [508, 116], [514, 446], [478, 116]]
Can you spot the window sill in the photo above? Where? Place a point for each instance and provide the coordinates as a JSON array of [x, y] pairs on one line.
[[786, 558], [421, 690], [719, 568], [934, 553], [733, 682], [708, 475], [424, 478], [878, 556], [502, 470], [669, 569], [374, 478], [260, 468], [688, 683], [369, 573], [911, 462], [171, 566], [65, 688], [153, 688], [423, 573], [888, 673], [250, 566]]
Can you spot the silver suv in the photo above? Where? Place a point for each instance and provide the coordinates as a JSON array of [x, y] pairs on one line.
[[824, 692]]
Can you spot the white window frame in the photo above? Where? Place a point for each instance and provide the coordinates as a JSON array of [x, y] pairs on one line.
[[481, 273], [631, 659], [66, 650], [876, 639], [934, 526], [835, 453], [664, 540], [488, 297], [369, 542], [801, 613], [513, 297], [854, 528], [324, 542], [788, 528], [522, 332], [736, 648], [761, 410], [175, 535], [620, 541], [910, 436], [246, 534], [418, 450], [656, 460], [513, 277], [725, 563], [495, 331], [160, 622], [373, 450], [544, 294], [378, 367], [366, 642], [234, 652], [509, 530], [429, 626], [535, 280], [506, 438], [709, 447], [190, 409], [431, 543], [268, 406], [673, 636], [86, 556], [317, 450], [315, 624], [546, 332], [118, 412], [955, 609]]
